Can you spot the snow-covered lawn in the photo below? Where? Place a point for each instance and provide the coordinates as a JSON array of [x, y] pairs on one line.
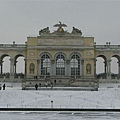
[[108, 96]]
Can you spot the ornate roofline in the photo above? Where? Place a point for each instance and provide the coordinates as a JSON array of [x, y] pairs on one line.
[[60, 31]]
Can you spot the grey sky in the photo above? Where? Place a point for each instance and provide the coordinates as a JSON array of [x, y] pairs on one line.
[[22, 18]]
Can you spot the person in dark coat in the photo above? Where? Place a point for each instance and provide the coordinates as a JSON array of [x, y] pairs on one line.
[[39, 84], [36, 86], [3, 86]]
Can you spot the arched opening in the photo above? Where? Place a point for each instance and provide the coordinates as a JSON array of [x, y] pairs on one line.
[[5, 66], [19, 66], [101, 67], [115, 66]]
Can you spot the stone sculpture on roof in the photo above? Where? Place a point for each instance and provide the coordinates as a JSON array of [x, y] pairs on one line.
[[60, 25], [44, 31], [60, 31], [76, 31]]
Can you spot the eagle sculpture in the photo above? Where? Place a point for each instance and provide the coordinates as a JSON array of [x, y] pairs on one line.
[[60, 25]]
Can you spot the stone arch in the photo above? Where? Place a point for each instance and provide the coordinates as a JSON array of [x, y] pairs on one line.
[[103, 56], [41, 54], [60, 53], [4, 55], [18, 55], [116, 56], [77, 53]]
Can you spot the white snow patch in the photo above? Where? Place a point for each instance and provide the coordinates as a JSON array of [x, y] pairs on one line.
[[108, 96]]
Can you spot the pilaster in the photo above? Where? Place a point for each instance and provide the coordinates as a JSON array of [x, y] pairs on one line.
[[11, 68], [109, 69], [67, 68], [53, 68]]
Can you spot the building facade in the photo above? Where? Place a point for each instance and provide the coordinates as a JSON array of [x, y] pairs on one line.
[[61, 58]]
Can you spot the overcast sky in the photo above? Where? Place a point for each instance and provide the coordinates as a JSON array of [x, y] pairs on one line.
[[22, 18]]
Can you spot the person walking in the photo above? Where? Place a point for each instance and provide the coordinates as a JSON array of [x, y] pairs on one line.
[[3, 86], [46, 84], [36, 86]]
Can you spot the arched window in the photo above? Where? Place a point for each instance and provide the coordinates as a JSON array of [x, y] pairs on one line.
[[60, 65], [45, 65], [75, 65]]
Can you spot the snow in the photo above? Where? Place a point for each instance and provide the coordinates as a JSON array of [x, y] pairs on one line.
[[108, 96]]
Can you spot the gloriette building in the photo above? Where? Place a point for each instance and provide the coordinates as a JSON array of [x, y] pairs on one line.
[[61, 58]]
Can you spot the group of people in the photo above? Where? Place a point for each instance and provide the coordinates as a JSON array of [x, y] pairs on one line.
[[49, 84], [46, 85]]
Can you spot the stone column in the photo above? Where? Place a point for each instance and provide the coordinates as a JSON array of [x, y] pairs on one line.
[[11, 68], [67, 68], [108, 69], [118, 69], [1, 65], [15, 65], [105, 65], [25, 68], [105, 68], [82, 68], [52, 68], [38, 69], [95, 67]]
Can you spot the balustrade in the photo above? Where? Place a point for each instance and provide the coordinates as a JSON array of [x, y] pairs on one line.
[[12, 45], [107, 46]]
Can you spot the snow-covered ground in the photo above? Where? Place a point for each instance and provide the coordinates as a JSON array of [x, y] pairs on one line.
[[108, 96]]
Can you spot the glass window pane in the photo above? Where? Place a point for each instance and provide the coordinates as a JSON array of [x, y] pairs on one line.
[[60, 65], [75, 65], [45, 65]]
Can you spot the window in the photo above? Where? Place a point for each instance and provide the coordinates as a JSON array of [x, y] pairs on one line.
[[60, 65], [45, 65], [75, 65]]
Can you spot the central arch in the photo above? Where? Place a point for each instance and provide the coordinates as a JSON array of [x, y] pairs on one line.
[[75, 64], [60, 62]]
